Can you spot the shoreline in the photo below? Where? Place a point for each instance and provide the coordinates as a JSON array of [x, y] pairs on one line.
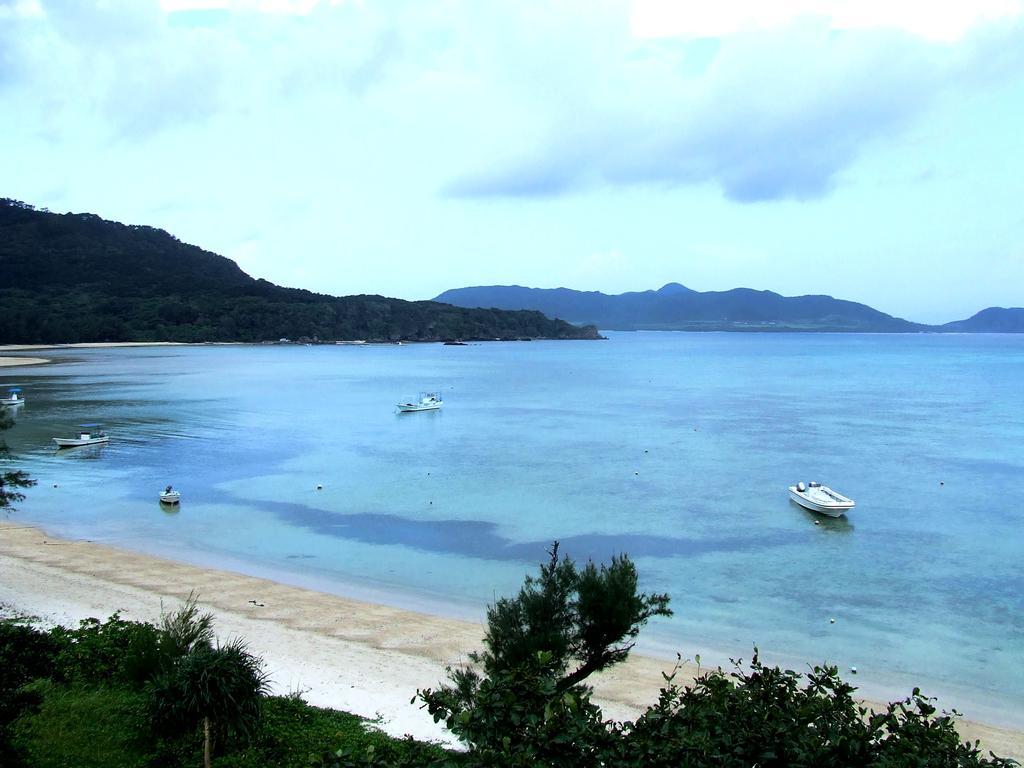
[[11, 362], [340, 652]]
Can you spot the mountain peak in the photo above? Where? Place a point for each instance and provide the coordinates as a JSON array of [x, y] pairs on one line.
[[670, 288]]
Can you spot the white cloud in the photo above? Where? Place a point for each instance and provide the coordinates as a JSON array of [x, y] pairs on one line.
[[510, 100], [939, 20]]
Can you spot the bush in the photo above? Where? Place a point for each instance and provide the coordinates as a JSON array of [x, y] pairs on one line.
[[769, 716], [118, 651]]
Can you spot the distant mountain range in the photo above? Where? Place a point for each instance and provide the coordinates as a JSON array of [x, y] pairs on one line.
[[678, 308], [75, 277]]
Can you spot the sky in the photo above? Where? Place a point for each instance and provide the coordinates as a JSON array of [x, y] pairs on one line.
[[869, 150]]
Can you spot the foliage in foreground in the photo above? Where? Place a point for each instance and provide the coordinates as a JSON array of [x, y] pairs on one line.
[[117, 692], [87, 697], [769, 716], [10, 480], [523, 702]]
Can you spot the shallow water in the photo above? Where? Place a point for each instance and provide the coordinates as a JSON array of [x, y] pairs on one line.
[[675, 448]]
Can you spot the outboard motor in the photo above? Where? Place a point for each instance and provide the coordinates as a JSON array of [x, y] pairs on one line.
[[801, 487]]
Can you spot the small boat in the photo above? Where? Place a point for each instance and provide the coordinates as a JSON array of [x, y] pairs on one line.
[[170, 496], [14, 397], [820, 498], [429, 401], [90, 434]]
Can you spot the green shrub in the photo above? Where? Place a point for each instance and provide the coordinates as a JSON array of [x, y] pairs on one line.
[[115, 650], [775, 718], [291, 731]]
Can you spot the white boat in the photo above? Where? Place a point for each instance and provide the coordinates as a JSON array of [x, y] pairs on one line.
[[170, 496], [429, 401], [820, 498], [14, 397], [90, 434]]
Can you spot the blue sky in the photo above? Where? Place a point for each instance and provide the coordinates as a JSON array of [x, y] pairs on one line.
[[869, 150]]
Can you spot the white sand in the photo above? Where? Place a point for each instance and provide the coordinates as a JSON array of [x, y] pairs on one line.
[[341, 653], [7, 362]]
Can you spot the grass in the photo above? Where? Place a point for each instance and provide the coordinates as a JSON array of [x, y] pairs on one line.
[[82, 726]]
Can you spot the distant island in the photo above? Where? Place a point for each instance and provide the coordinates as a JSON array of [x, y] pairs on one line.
[[678, 308], [76, 277]]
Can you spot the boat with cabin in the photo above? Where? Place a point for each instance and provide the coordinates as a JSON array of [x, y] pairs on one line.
[[821, 499], [429, 401], [89, 434], [14, 397]]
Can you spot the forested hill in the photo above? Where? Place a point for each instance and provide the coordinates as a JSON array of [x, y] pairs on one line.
[[68, 278], [675, 307]]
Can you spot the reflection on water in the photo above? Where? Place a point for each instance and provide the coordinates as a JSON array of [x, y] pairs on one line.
[[94, 451], [840, 524]]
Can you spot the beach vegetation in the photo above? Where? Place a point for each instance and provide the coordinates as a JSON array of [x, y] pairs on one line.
[[522, 701], [125, 694], [26, 654], [83, 725], [119, 651], [218, 689], [10, 479]]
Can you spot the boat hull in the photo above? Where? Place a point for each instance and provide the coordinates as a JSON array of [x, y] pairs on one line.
[[74, 442], [170, 498], [413, 408], [829, 510], [12, 401]]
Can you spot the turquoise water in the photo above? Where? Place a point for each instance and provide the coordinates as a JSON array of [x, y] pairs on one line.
[[675, 448]]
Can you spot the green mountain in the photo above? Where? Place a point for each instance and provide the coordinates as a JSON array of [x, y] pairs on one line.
[[991, 320], [676, 307], [75, 277]]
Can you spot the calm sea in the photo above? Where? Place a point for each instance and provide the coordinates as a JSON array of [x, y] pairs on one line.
[[674, 448]]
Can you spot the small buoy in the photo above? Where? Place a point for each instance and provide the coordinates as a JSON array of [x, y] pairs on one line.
[[54, 485], [817, 522], [831, 621], [636, 473], [941, 483], [431, 502], [319, 487], [853, 670], [645, 450]]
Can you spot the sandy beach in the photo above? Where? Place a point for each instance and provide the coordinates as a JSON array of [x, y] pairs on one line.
[[10, 362], [342, 653], [7, 361]]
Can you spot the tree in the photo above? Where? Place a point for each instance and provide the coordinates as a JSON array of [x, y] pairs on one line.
[[12, 479], [523, 701], [220, 688]]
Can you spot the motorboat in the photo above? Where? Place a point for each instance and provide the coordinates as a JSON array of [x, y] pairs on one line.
[[14, 397], [89, 434], [170, 496], [429, 401], [821, 499]]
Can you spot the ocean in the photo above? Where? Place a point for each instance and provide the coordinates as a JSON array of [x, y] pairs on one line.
[[675, 448]]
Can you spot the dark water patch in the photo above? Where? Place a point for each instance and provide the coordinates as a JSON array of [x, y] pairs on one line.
[[480, 539]]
